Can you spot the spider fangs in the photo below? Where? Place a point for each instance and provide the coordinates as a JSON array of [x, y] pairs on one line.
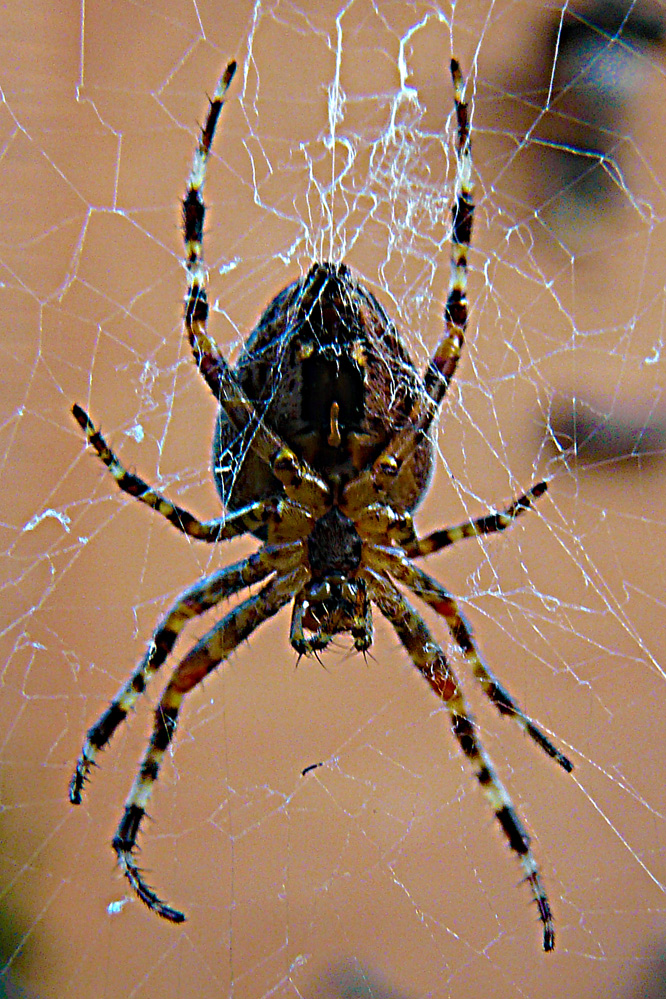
[[322, 450]]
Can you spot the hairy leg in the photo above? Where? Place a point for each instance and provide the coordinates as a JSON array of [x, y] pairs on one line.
[[201, 660], [248, 520], [194, 601], [381, 478], [491, 523], [434, 594], [301, 483], [429, 659]]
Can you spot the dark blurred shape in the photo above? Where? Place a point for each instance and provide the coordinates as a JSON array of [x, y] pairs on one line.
[[349, 980], [21, 944], [634, 22], [13, 957], [313, 766], [653, 983], [596, 75], [583, 80], [597, 433], [10, 989]]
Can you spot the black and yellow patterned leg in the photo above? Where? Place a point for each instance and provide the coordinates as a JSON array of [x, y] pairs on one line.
[[194, 601], [445, 359], [491, 523], [434, 594], [430, 660], [381, 481], [206, 655], [301, 483], [250, 519], [381, 523]]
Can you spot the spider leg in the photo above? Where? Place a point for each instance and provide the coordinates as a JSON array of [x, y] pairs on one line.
[[444, 362], [381, 478], [204, 657], [430, 591], [194, 601], [243, 521], [491, 523], [301, 483], [431, 662], [382, 523]]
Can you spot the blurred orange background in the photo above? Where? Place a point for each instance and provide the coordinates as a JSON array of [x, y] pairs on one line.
[[385, 859]]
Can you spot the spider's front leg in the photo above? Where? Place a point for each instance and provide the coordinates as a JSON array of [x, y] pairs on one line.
[[206, 656]]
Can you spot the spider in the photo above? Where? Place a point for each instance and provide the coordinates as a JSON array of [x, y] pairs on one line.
[[322, 449]]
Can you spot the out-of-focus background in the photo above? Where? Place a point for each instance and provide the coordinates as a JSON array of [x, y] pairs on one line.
[[380, 873]]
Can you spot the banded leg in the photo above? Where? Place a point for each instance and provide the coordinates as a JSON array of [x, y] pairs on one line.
[[376, 482], [244, 521], [382, 522], [431, 662], [444, 361], [434, 594], [491, 523], [195, 601], [301, 483], [204, 657]]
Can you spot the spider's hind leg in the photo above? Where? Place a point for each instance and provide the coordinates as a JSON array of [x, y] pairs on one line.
[[299, 481], [215, 646], [431, 662], [371, 486], [444, 361], [434, 594], [194, 601]]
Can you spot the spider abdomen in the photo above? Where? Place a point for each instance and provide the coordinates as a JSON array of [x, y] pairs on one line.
[[327, 370]]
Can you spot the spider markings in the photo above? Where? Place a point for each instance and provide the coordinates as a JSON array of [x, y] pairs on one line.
[[327, 423]]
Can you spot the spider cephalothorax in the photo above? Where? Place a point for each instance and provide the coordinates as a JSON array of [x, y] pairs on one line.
[[322, 451], [334, 600]]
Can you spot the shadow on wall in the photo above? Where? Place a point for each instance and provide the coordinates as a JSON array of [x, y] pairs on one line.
[[348, 980], [587, 76]]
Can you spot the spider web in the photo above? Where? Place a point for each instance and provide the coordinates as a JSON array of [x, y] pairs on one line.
[[379, 872]]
